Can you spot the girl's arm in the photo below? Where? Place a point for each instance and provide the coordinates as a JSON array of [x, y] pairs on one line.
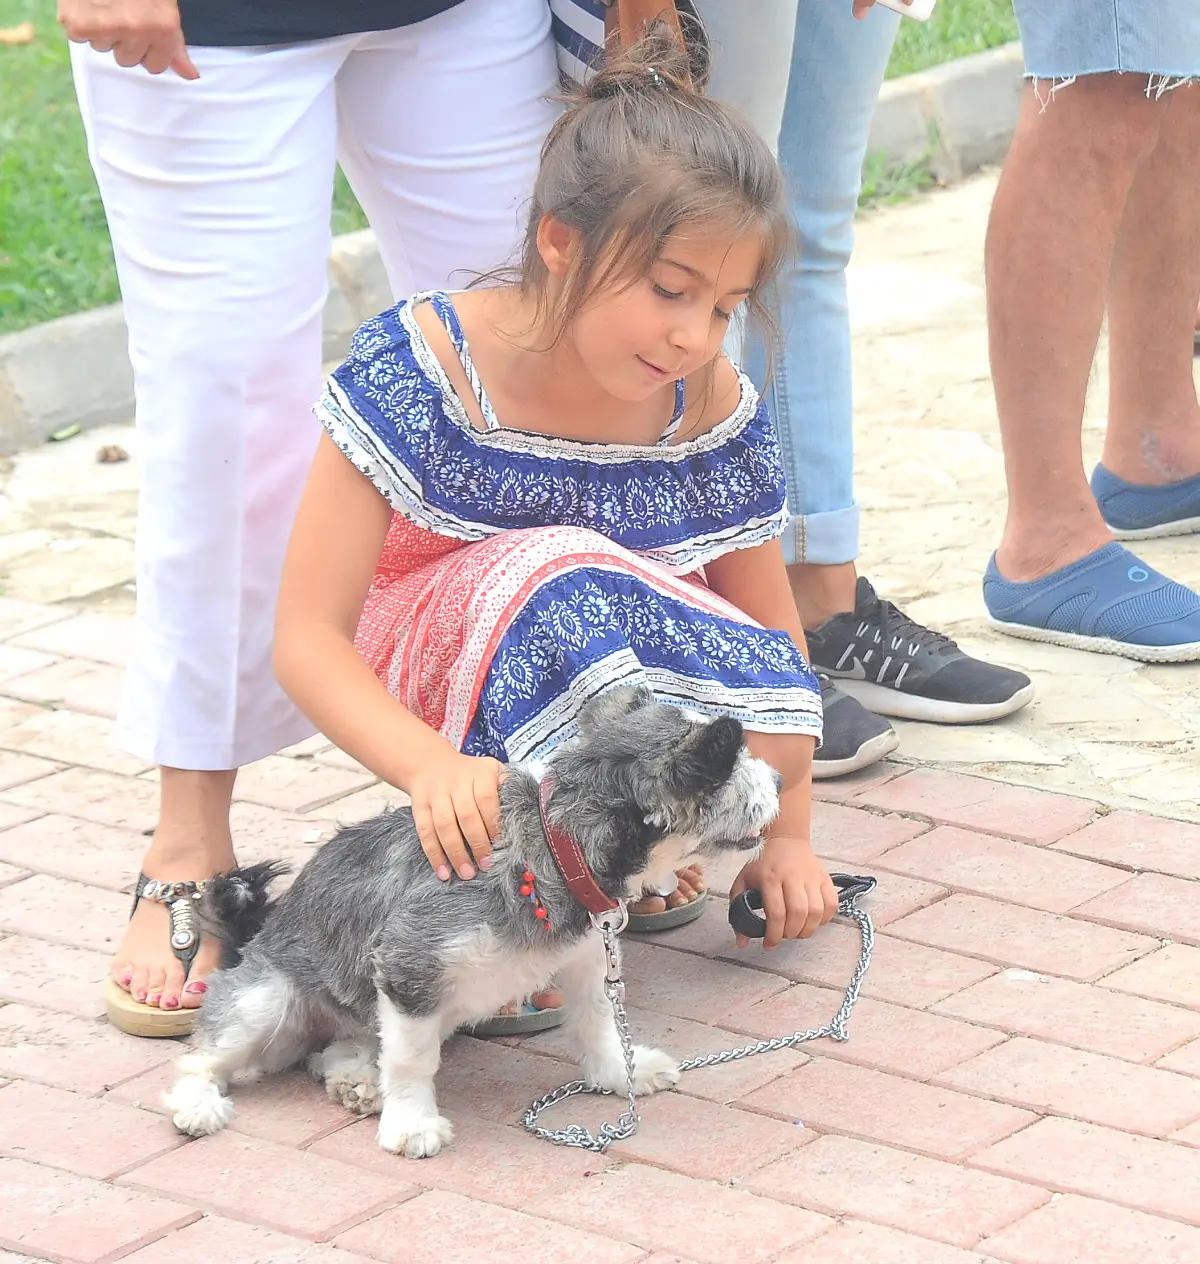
[[336, 541], [798, 895]]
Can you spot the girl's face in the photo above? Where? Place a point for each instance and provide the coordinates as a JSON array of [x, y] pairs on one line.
[[634, 338]]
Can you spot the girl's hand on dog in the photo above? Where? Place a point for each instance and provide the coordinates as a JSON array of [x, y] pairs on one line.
[[456, 809], [798, 895]]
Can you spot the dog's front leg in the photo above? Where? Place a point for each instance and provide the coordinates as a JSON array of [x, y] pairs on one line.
[[593, 1026], [410, 1050]]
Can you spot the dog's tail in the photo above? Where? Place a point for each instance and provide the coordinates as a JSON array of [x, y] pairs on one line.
[[236, 905]]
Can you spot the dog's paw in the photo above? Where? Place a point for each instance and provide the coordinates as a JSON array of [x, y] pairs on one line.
[[197, 1106], [653, 1070], [418, 1136], [351, 1076]]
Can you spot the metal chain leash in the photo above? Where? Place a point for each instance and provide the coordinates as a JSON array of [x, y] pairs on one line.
[[578, 1136]]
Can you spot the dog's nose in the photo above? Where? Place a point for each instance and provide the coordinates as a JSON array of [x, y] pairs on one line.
[[778, 781]]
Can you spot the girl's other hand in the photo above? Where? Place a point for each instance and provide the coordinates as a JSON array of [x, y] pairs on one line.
[[456, 808], [798, 895]]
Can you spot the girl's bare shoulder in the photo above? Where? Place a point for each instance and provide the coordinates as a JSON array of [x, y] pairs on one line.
[[712, 395]]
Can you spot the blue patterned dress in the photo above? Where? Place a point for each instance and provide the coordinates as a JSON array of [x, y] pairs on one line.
[[524, 574]]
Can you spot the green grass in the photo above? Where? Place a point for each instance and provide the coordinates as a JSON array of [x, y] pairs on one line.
[[957, 27], [55, 256]]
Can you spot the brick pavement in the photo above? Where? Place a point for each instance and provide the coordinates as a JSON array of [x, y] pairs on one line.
[[1021, 1083]]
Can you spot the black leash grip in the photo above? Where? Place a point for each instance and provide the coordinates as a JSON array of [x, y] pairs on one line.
[[746, 915]]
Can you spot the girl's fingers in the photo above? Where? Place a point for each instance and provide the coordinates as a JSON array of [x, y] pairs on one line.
[[831, 897], [775, 908], [423, 820], [472, 825], [487, 800], [815, 916], [445, 822]]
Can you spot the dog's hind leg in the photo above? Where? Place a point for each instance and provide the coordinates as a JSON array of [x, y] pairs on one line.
[[592, 1026], [410, 1050], [247, 1024], [349, 1070]]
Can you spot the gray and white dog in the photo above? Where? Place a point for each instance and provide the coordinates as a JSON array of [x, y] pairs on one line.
[[369, 962]]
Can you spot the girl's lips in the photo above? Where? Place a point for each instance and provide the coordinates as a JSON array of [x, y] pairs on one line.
[[660, 375]]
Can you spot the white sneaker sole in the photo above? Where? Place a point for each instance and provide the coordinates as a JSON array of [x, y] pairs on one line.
[[910, 706], [1181, 526], [867, 754], [1186, 653]]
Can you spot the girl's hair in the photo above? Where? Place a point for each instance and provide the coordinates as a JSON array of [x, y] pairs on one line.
[[638, 154]]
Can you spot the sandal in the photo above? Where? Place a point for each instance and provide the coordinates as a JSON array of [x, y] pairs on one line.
[[525, 1019], [133, 1017], [668, 918]]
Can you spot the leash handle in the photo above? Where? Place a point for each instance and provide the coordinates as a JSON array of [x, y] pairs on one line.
[[746, 915]]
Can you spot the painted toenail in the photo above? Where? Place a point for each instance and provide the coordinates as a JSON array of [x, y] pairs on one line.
[[199, 987], [170, 1002], [153, 998]]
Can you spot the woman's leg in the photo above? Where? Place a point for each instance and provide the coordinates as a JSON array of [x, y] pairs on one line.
[[440, 128], [217, 194]]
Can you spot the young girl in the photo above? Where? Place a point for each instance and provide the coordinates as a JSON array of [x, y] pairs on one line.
[[532, 492]]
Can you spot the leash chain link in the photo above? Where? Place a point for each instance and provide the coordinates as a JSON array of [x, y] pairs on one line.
[[578, 1136]]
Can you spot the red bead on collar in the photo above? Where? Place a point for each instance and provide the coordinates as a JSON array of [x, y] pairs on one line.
[[529, 891]]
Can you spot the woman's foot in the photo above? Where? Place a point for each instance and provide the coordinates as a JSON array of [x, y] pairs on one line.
[[540, 1012], [653, 913], [144, 964], [691, 887], [191, 842]]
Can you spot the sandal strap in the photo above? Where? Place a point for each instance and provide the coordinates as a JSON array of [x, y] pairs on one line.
[[180, 899]]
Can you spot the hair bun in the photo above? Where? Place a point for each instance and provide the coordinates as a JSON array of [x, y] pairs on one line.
[[656, 62]]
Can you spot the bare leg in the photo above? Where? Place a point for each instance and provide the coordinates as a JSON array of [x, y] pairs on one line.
[[1153, 416], [191, 841], [1049, 256], [820, 592]]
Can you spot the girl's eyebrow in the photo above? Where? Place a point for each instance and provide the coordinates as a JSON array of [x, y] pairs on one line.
[[695, 272]]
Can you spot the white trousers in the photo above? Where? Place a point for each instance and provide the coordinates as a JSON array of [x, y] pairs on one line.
[[218, 200]]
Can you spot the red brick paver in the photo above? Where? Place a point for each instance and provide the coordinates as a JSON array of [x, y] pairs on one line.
[[1132, 840], [73, 1218], [1139, 1172], [1094, 1232], [943, 1201], [950, 798], [1021, 1081], [1013, 936], [1075, 1014]]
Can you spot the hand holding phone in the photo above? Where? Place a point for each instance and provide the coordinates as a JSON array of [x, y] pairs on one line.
[[918, 9]]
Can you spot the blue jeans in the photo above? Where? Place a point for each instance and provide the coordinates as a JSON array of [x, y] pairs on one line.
[[833, 71], [1159, 38]]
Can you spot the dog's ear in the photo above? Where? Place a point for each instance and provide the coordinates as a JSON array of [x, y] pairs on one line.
[[610, 707], [706, 756]]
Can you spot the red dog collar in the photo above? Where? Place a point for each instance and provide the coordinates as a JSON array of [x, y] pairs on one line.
[[568, 855]]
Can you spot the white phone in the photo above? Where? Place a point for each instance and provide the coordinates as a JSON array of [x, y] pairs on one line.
[[919, 9]]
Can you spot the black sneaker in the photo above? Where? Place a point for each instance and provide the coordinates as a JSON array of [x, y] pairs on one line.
[[853, 738], [895, 666]]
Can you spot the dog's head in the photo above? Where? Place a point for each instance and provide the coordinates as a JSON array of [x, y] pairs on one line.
[[653, 787]]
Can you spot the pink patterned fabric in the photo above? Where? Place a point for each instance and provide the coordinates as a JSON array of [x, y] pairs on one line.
[[438, 607]]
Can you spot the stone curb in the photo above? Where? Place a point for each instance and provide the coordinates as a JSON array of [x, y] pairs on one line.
[[75, 370]]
